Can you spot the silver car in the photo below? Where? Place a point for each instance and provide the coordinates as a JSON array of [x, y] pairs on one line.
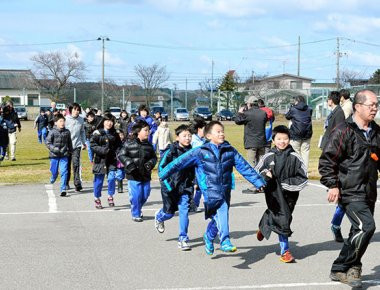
[[21, 112], [181, 114]]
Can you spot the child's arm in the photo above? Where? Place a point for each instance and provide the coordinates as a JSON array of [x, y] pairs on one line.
[[248, 171], [127, 161], [186, 160], [50, 143], [97, 148], [299, 180], [149, 165]]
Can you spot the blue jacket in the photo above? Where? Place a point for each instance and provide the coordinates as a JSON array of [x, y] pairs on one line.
[[300, 115], [214, 167]]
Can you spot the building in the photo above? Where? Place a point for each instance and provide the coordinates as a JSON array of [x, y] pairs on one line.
[[160, 101], [21, 87]]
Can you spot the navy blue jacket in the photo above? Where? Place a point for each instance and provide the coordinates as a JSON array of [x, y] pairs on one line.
[[42, 122], [300, 115], [179, 183], [214, 165]]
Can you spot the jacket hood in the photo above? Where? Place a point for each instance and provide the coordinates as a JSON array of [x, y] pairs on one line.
[[301, 106]]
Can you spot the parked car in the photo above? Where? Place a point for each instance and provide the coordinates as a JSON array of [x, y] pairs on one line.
[[155, 109], [202, 112], [225, 115], [181, 114], [115, 111], [60, 106], [21, 112]]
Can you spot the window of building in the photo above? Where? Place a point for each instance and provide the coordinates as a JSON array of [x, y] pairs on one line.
[[32, 99], [296, 85], [16, 101]]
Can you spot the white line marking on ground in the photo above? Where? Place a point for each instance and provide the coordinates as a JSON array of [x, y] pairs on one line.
[[266, 286], [317, 185], [52, 200]]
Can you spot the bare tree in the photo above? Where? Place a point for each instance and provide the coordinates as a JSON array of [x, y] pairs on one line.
[[54, 71], [350, 78], [151, 78]]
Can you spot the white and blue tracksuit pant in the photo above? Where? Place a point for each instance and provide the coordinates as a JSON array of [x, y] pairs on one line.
[[59, 164], [183, 209], [89, 151], [338, 216], [98, 183], [42, 134], [219, 224], [138, 195]]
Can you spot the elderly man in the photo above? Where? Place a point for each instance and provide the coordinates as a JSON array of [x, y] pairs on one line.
[[254, 120], [349, 169]]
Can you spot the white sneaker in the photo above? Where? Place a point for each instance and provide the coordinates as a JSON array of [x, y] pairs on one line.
[[184, 246], [160, 226]]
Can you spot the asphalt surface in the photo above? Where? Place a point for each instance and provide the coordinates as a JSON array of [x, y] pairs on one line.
[[53, 242]]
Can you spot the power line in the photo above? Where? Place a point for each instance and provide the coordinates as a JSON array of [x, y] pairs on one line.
[[361, 42], [46, 43]]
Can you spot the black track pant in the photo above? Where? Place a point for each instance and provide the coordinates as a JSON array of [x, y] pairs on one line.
[[74, 159], [360, 214]]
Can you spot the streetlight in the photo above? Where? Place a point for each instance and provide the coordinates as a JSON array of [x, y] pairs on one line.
[[103, 38]]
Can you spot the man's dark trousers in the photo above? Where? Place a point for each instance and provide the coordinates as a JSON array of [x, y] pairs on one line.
[[360, 214], [74, 159]]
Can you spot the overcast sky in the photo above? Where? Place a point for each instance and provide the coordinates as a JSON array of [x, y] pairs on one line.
[[185, 36]]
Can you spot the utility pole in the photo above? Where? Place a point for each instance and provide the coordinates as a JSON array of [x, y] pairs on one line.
[[338, 55], [171, 103], [75, 95], [212, 83], [186, 95], [103, 38], [253, 78], [123, 107], [299, 56]]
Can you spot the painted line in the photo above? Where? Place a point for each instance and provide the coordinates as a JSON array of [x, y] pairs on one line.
[[266, 286], [317, 185], [52, 201]]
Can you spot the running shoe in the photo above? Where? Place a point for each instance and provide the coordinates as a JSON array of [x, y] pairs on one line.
[[98, 204], [111, 202], [337, 234], [287, 257], [227, 246], [184, 246], [160, 226], [259, 236]]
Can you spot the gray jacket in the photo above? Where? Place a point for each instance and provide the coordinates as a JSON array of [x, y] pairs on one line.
[[76, 128]]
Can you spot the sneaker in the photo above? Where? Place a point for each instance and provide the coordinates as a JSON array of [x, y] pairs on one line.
[[137, 219], [110, 202], [98, 204], [287, 257], [354, 277], [13, 159], [338, 277], [160, 226], [337, 234], [209, 245], [226, 246], [259, 236], [78, 188], [63, 193], [184, 246]]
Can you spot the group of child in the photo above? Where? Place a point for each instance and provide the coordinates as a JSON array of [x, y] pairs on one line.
[[199, 163]]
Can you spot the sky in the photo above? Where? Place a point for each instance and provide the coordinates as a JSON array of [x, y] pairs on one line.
[[248, 36]]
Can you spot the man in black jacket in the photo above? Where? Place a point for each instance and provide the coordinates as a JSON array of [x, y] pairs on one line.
[[301, 128], [12, 117], [254, 120], [349, 168]]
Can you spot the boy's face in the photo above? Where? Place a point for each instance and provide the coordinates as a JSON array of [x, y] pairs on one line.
[[143, 134], [216, 134], [123, 115], [184, 138], [122, 136], [281, 141], [60, 123], [108, 124], [143, 113], [90, 118]]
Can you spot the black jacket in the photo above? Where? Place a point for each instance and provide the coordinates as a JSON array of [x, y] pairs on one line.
[[179, 183], [336, 117], [13, 117], [104, 145], [138, 158], [123, 125], [254, 121], [348, 162], [58, 141], [42, 122], [89, 128], [289, 176], [300, 115]]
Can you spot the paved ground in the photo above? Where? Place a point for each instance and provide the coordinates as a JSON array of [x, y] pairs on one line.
[[49, 242]]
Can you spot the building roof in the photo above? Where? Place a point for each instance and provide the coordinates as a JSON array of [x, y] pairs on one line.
[[287, 75], [17, 79]]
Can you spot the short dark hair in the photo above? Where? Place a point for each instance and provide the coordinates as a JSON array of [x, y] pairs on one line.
[[300, 99], [210, 125], [280, 129], [344, 93], [143, 108], [360, 97], [261, 103], [196, 124], [138, 126], [132, 116], [334, 96], [91, 113], [58, 117], [75, 106], [182, 128]]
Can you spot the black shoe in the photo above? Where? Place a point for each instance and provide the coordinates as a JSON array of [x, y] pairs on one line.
[[249, 191], [13, 159], [63, 193], [337, 234], [78, 188]]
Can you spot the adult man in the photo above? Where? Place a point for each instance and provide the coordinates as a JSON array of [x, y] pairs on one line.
[[301, 128], [13, 118], [254, 120], [75, 124], [334, 118], [349, 168], [345, 102]]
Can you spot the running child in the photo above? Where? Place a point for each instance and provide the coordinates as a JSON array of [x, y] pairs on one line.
[[286, 176], [162, 138], [214, 162], [60, 147], [120, 172], [139, 159], [176, 191], [41, 123], [104, 143], [89, 128]]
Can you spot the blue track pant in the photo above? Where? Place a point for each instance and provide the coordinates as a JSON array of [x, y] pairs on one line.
[[219, 224], [98, 183], [42, 135], [138, 194], [61, 164], [89, 151], [338, 216]]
